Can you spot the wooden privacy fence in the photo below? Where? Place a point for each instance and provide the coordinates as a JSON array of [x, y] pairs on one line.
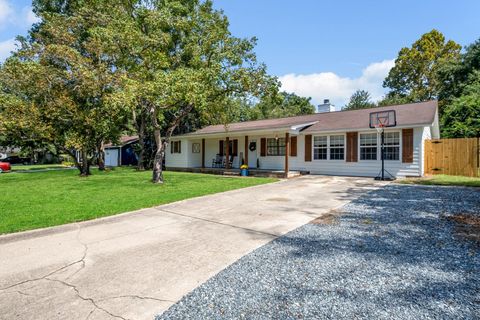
[[457, 157]]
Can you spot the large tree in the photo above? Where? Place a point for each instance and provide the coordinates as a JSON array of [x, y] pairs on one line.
[[414, 77], [180, 59], [360, 99], [461, 117], [456, 74], [281, 104], [69, 98], [460, 94]]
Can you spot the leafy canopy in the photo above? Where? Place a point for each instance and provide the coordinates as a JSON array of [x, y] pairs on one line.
[[279, 105], [414, 77], [68, 98], [360, 99], [460, 94], [461, 117]]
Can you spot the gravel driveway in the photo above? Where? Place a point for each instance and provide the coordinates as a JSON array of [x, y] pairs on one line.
[[394, 253]]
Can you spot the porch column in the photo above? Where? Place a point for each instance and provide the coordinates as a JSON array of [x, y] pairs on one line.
[[203, 153], [246, 150], [227, 153], [287, 152]]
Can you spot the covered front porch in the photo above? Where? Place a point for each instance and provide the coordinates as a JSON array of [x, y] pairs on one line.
[[266, 153]]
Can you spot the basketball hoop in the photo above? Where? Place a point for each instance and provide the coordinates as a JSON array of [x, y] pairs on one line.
[[381, 120], [380, 127]]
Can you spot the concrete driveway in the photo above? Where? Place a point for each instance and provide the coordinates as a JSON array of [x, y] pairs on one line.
[[136, 265]]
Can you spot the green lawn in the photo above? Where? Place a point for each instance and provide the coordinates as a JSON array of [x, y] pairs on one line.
[[19, 167], [43, 199], [444, 180]]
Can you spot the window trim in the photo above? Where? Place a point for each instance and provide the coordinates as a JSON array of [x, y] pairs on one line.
[[379, 146], [328, 135], [172, 149], [277, 146], [313, 148], [344, 147], [400, 143]]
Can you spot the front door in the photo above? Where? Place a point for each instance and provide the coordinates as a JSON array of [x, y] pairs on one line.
[[252, 153]]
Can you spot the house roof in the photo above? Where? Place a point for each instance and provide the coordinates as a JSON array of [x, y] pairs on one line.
[[122, 141], [413, 114]]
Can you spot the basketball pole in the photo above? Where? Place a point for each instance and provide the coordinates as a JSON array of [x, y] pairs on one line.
[[380, 120], [383, 153], [381, 176]]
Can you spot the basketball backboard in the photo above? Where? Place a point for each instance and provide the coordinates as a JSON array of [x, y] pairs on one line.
[[383, 119]]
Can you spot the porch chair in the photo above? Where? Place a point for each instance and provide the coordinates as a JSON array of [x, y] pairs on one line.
[[218, 161], [230, 161]]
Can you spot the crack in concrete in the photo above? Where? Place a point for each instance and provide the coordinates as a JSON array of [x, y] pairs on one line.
[[90, 314], [75, 289], [220, 223], [84, 256], [23, 293], [91, 300], [19, 292], [137, 297], [81, 260]]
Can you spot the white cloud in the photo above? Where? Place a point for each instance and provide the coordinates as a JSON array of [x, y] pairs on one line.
[[328, 85], [23, 18], [6, 47], [6, 13], [28, 17]]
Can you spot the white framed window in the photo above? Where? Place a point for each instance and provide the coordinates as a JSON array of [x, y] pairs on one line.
[[276, 146], [392, 146], [337, 147], [368, 146], [320, 148]]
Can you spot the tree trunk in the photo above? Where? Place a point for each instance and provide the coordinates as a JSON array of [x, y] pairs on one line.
[[141, 143], [73, 154], [157, 176], [101, 157], [85, 167]]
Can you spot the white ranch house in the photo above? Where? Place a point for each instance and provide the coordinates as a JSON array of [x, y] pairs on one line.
[[332, 143]]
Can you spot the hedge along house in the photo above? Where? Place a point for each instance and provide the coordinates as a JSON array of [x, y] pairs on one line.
[[333, 143]]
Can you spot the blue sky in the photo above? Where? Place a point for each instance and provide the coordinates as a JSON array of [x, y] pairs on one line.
[[322, 49]]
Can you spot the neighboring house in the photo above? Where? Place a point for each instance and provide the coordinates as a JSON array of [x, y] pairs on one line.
[[123, 153], [8, 151], [336, 143]]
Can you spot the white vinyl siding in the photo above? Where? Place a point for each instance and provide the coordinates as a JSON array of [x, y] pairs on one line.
[[368, 168], [175, 156], [363, 168]]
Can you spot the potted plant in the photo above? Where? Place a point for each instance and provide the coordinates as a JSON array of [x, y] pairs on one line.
[[244, 170]]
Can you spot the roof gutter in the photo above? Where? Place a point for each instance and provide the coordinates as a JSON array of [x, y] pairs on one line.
[[416, 125], [295, 129]]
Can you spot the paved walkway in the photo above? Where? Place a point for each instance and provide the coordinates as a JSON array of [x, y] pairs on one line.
[[136, 265]]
